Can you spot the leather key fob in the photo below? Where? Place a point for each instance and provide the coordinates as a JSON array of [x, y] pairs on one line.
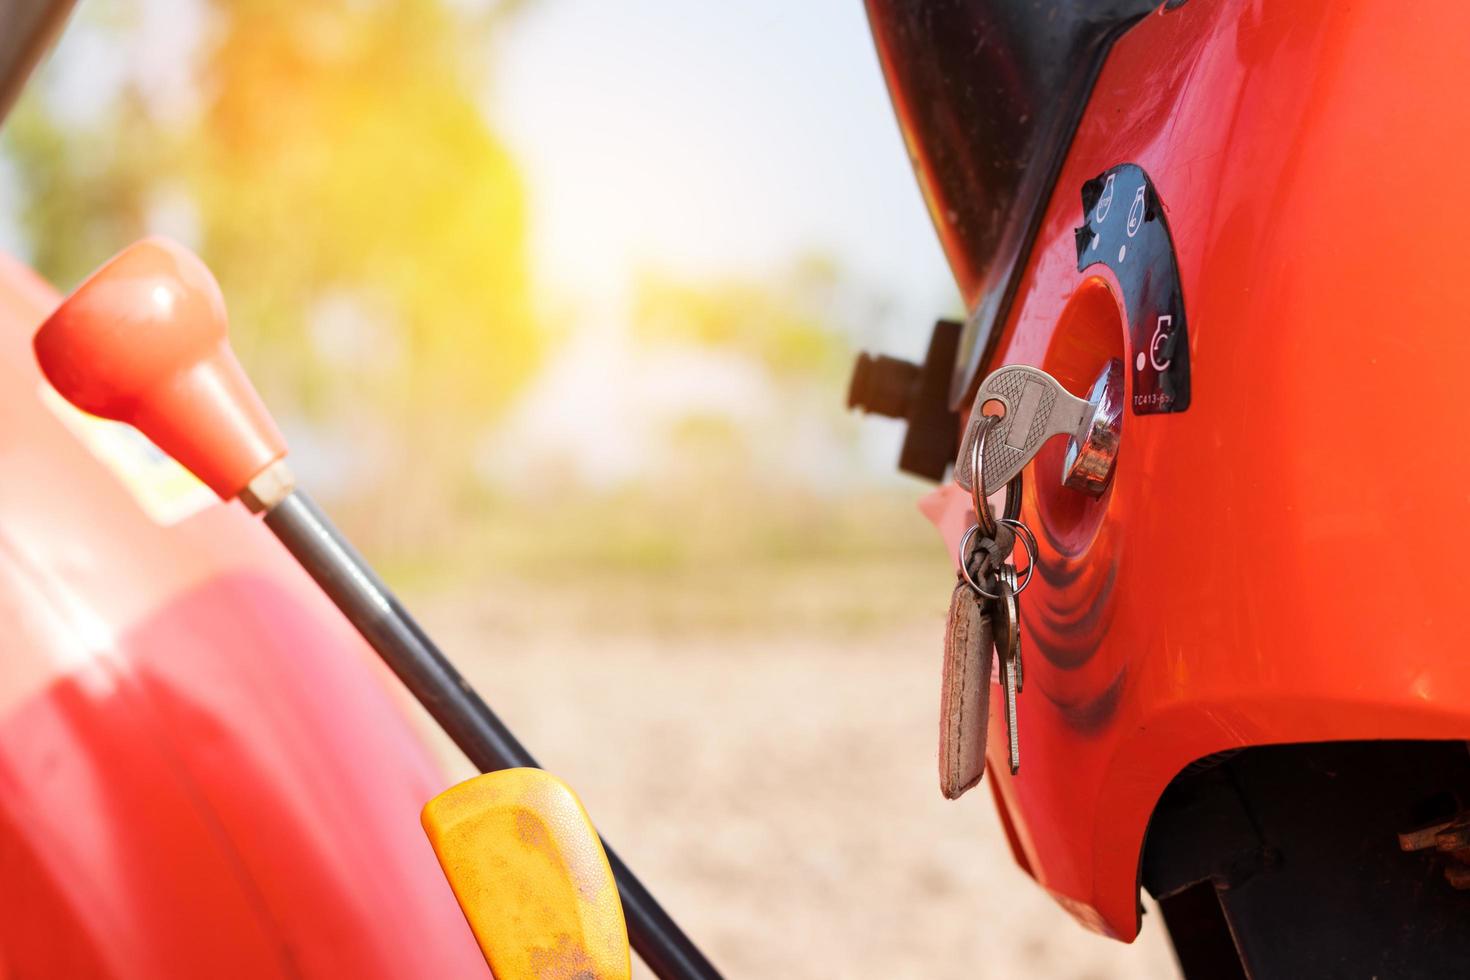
[[964, 699]]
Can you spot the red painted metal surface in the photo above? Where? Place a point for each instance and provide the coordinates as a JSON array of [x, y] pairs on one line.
[[1284, 561], [203, 770]]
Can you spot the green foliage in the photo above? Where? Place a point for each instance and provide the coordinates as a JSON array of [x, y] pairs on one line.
[[789, 324], [344, 149], [83, 191]]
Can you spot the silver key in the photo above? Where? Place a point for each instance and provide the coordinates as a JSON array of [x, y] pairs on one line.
[[1020, 674], [1037, 407], [999, 592], [1006, 625]]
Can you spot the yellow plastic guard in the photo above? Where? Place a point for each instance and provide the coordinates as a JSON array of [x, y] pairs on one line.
[[531, 877]]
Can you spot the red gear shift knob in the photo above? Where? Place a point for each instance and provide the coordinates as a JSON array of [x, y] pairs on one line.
[[144, 341]]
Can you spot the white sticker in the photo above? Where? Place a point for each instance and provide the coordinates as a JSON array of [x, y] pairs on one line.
[[1162, 331], [1135, 213], [1105, 202]]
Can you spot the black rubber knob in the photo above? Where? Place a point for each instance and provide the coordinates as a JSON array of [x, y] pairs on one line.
[[883, 385]]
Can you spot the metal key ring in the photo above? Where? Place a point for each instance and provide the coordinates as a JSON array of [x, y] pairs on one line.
[[965, 565], [984, 520], [1012, 508], [979, 492], [1023, 534], [1028, 539]]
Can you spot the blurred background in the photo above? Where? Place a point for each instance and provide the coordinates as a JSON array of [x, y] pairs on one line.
[[556, 300]]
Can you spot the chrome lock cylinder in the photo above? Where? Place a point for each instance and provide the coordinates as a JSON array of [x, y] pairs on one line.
[[1022, 407]]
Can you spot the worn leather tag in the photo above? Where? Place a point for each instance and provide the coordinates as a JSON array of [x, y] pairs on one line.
[[964, 699]]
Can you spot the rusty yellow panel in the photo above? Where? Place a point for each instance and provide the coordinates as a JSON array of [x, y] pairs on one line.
[[530, 874]]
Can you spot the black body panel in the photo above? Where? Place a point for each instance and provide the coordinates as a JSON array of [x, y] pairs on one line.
[[988, 93], [1290, 855], [1124, 228]]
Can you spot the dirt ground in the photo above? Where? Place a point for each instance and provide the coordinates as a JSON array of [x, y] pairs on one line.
[[771, 777]]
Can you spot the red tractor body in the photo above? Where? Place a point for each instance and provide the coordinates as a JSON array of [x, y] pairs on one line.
[[202, 769], [1280, 556]]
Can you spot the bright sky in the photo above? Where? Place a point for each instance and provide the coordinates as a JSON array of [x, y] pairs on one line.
[[713, 138]]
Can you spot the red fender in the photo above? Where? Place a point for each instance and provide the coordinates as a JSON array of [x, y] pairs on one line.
[[202, 769]]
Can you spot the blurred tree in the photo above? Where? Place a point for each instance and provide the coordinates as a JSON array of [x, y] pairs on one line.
[[793, 325], [796, 328], [365, 222]]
